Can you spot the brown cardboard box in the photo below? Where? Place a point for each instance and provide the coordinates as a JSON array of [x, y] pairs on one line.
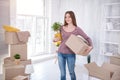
[[77, 45], [8, 61], [115, 60], [11, 38], [17, 37], [19, 77], [110, 67], [98, 72], [116, 75], [19, 49], [12, 70]]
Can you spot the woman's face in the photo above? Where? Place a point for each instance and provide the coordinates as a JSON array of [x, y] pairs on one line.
[[68, 19]]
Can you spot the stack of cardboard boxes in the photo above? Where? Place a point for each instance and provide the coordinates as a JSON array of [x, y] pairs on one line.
[[17, 42]]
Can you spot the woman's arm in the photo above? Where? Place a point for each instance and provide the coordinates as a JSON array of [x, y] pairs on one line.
[[84, 35]]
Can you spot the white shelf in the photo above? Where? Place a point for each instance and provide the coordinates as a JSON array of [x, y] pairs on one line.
[[111, 4], [108, 54], [112, 30], [113, 17], [111, 43]]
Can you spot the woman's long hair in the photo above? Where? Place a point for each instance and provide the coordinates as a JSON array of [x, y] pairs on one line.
[[72, 15]]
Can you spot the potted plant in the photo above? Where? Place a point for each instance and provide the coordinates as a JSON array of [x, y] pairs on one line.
[[17, 58], [56, 28]]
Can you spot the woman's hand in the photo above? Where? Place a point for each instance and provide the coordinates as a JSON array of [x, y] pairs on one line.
[[56, 39], [89, 49]]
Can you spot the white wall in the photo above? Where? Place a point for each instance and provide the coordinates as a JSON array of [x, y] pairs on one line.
[[7, 17], [4, 19]]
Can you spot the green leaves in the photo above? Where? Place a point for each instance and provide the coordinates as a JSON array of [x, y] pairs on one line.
[[56, 26], [17, 56]]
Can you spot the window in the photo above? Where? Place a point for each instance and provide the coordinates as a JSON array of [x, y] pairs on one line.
[[30, 7], [31, 16]]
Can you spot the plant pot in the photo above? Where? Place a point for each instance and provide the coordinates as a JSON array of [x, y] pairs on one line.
[[58, 35], [17, 61]]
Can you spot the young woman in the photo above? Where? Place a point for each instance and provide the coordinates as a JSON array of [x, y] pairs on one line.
[[65, 55]]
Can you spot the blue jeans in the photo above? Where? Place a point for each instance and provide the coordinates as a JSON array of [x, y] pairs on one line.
[[70, 59]]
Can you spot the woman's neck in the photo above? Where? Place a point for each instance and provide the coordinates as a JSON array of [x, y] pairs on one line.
[[70, 25]]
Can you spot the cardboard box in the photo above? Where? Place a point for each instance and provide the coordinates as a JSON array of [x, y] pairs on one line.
[[19, 77], [116, 75], [98, 72], [11, 38], [12, 70], [19, 49], [110, 67], [115, 60], [77, 45], [8, 62], [17, 37]]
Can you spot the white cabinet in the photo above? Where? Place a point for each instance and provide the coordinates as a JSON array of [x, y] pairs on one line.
[[110, 35]]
